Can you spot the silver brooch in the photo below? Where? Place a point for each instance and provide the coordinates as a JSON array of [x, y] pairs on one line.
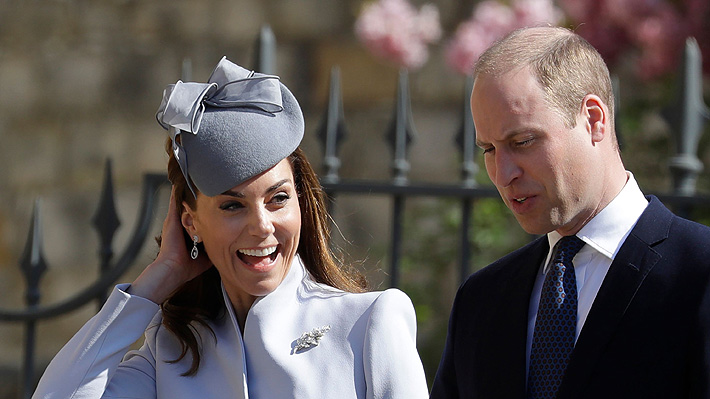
[[310, 339]]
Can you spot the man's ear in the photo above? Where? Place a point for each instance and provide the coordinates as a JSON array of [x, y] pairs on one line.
[[188, 219], [596, 115]]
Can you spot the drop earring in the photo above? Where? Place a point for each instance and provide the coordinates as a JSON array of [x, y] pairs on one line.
[[194, 252]]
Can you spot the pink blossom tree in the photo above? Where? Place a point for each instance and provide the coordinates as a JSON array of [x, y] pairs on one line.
[[653, 31], [492, 20], [397, 32]]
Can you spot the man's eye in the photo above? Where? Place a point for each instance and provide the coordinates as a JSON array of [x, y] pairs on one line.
[[524, 143]]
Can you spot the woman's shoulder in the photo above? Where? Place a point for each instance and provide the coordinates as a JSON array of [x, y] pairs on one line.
[[329, 296], [390, 297]]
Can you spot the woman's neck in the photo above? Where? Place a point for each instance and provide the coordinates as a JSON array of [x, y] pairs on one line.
[[241, 303]]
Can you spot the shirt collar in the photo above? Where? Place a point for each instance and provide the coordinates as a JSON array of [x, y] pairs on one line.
[[609, 228]]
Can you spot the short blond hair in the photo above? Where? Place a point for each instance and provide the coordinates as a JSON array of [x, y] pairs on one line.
[[567, 67]]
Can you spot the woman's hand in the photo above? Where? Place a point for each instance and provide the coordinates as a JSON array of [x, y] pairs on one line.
[[173, 267]]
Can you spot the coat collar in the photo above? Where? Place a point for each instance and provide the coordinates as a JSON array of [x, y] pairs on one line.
[[288, 287]]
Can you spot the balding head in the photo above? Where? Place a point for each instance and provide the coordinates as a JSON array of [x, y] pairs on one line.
[[566, 66]]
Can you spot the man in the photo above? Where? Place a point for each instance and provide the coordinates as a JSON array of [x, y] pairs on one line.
[[628, 315]]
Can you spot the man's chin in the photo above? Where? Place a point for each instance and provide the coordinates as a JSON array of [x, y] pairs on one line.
[[533, 228]]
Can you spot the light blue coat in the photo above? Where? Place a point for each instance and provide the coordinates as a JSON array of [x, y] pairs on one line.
[[369, 350]]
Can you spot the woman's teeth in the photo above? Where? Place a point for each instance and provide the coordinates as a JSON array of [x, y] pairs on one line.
[[521, 200], [258, 252]]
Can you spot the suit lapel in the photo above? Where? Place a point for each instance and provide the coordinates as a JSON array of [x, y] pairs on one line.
[[635, 260]]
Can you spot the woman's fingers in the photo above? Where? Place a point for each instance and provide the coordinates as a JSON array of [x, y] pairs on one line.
[[173, 267]]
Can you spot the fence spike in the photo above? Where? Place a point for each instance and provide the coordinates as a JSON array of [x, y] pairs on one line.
[[32, 263], [186, 71], [466, 138], [106, 220], [401, 132], [616, 90], [687, 118], [106, 223], [332, 129], [265, 51]]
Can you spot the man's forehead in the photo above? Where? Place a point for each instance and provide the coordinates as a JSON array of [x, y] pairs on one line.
[[516, 91]]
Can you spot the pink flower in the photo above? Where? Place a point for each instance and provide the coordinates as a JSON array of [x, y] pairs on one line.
[[536, 12], [395, 31], [490, 21], [660, 38], [623, 11], [653, 28], [496, 17], [428, 23], [469, 42], [609, 39], [577, 10]]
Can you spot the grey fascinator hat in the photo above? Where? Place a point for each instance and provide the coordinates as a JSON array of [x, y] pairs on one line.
[[230, 129]]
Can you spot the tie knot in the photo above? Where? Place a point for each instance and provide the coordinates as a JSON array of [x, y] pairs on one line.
[[567, 248]]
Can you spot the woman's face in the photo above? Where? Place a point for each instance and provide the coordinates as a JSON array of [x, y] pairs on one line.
[[250, 232]]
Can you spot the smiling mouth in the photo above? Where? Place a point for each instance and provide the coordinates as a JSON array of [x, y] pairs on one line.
[[254, 256], [521, 200]]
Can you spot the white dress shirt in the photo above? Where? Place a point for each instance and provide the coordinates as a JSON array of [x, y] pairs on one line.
[[603, 236]]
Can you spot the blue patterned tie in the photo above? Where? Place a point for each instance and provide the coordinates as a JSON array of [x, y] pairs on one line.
[[553, 339]]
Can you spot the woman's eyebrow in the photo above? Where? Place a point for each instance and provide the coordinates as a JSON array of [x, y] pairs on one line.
[[273, 188], [277, 185], [233, 193]]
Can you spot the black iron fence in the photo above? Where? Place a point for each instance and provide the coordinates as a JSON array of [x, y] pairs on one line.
[[687, 119]]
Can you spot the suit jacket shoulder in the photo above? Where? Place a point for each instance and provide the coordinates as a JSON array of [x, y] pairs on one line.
[[648, 331], [509, 272], [484, 355]]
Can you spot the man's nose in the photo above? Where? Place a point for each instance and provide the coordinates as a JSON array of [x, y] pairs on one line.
[[507, 169]]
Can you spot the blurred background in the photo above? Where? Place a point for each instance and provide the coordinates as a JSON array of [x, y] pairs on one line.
[[80, 82]]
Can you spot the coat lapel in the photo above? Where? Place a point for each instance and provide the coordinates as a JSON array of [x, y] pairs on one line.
[[509, 338], [635, 260]]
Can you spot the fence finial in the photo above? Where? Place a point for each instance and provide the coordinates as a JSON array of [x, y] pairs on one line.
[[687, 118], [265, 51], [466, 138], [32, 263], [332, 130], [402, 131], [616, 90], [186, 71], [106, 223]]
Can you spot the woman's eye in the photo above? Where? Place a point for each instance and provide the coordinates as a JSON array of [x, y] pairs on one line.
[[230, 206], [280, 198]]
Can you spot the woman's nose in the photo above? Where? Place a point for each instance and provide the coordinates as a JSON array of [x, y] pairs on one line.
[[260, 223]]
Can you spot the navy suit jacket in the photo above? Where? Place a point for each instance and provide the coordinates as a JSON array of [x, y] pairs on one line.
[[647, 334]]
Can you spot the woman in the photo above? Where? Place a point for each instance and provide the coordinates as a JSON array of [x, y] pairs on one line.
[[252, 303]]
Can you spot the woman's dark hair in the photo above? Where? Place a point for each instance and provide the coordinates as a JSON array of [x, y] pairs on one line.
[[200, 299]]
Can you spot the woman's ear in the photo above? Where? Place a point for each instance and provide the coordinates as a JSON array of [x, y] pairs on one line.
[[596, 114], [188, 219]]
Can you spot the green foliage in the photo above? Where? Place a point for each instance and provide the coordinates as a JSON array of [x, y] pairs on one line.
[[431, 260]]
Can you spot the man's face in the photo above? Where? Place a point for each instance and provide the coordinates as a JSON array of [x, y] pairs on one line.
[[543, 170]]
